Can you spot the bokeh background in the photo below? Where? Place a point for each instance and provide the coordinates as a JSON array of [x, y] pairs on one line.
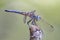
[[12, 26]]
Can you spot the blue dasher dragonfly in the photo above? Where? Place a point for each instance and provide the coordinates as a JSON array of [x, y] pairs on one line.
[[29, 14]]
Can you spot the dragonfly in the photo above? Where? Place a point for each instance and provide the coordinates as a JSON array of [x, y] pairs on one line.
[[31, 14]]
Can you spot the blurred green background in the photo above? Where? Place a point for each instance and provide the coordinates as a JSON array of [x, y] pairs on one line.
[[12, 26]]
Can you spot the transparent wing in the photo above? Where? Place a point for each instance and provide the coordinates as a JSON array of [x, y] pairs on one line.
[[24, 19], [48, 27]]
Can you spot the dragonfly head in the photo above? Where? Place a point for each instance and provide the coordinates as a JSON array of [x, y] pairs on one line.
[[38, 18]]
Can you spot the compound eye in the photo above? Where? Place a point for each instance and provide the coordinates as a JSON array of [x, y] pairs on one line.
[[38, 18]]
